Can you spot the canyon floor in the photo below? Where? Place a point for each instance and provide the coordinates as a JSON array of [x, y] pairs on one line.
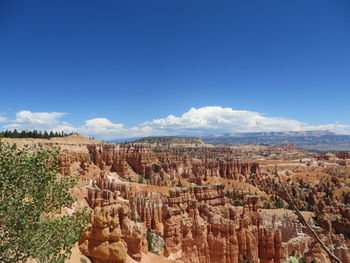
[[192, 202]]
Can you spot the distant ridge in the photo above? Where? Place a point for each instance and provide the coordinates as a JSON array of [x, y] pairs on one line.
[[171, 140], [157, 139], [286, 133], [313, 140]]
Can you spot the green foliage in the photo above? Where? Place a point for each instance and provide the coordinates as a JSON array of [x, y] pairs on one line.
[[158, 150], [31, 198], [318, 215], [293, 259], [149, 237], [32, 134], [278, 202], [236, 198], [140, 181], [238, 203], [245, 260], [310, 205], [267, 205], [346, 232], [252, 178]]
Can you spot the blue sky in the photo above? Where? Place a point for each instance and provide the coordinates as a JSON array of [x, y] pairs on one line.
[[120, 68]]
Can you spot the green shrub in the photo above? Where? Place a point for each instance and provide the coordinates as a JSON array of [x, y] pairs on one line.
[[149, 237], [31, 198]]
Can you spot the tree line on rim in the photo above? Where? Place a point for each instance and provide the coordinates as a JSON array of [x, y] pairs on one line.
[[33, 134]]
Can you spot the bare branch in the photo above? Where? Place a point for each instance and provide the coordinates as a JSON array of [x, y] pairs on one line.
[[305, 223]]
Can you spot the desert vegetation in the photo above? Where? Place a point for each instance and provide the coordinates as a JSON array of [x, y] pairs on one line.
[[32, 196], [32, 134]]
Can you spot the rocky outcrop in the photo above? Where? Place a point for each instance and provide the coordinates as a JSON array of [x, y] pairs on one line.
[[343, 155], [199, 223], [140, 163], [196, 224], [147, 207], [112, 235], [144, 206]]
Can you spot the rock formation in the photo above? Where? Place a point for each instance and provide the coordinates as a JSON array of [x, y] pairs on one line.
[[201, 222], [112, 235]]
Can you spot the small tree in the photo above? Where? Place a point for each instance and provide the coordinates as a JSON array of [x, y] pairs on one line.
[[31, 198], [149, 237], [278, 202]]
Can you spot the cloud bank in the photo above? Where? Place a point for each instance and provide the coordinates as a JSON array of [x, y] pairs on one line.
[[195, 122], [27, 120]]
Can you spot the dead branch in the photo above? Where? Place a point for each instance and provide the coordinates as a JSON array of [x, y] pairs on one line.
[[305, 223]]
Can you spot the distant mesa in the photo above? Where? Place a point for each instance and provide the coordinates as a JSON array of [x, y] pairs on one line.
[[286, 133], [313, 140], [171, 140]]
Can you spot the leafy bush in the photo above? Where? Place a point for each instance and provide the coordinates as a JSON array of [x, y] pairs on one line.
[[31, 198]]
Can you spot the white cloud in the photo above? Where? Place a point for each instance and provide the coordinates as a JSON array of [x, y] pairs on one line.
[[102, 128], [105, 129], [64, 126], [101, 125], [3, 119], [218, 119], [27, 120], [197, 121]]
